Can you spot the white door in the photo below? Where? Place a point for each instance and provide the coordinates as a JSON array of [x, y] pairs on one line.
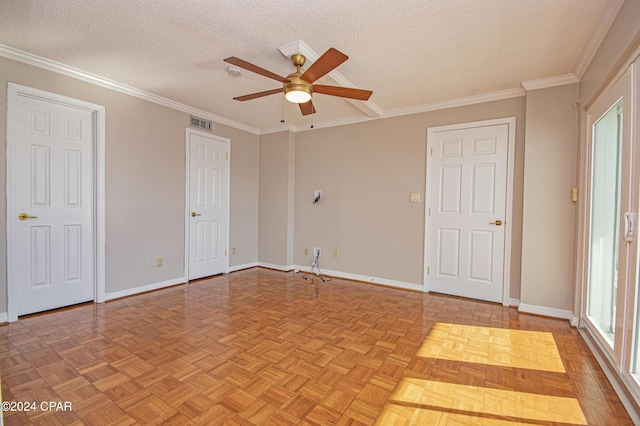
[[467, 184], [51, 209], [208, 215]]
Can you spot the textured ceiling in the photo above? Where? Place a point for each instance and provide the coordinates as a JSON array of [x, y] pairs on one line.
[[411, 53]]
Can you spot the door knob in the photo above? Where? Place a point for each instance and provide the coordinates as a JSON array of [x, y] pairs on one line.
[[194, 214], [497, 222], [24, 216]]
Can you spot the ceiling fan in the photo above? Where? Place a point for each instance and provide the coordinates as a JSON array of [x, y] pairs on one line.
[[298, 86]]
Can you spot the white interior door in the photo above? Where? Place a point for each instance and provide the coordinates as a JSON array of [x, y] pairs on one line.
[[51, 235], [467, 186], [208, 215]]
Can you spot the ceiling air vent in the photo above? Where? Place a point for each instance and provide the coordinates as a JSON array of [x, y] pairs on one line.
[[200, 123]]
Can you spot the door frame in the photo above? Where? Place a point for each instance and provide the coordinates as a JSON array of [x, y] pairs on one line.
[[620, 88], [98, 165], [508, 222], [187, 206]]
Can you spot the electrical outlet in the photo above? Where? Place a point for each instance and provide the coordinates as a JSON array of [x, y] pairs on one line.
[[306, 252], [336, 252], [233, 251], [159, 262], [146, 264], [316, 251]]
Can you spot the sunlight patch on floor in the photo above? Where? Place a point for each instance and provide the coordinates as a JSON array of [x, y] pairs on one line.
[[417, 401], [399, 415], [534, 350]]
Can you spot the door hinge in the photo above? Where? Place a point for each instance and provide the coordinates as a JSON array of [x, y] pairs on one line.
[[428, 270], [429, 211], [225, 252], [227, 155], [431, 152]]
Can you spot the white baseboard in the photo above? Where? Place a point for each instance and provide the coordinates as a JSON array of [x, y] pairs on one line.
[[547, 312], [241, 267], [276, 267], [4, 317], [345, 275], [366, 279], [144, 288]]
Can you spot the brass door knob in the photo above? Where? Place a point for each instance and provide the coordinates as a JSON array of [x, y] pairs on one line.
[[24, 216], [194, 214], [497, 222]]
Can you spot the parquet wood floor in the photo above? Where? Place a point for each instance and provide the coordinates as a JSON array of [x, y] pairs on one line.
[[262, 347]]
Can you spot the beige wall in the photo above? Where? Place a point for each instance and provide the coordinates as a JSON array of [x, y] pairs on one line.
[[145, 181], [549, 214], [366, 172], [243, 229], [274, 199]]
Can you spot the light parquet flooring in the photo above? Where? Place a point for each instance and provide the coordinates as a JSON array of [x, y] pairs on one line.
[[262, 347]]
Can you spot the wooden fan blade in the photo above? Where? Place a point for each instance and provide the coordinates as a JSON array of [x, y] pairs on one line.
[[325, 63], [254, 68], [258, 95], [344, 92], [307, 108]]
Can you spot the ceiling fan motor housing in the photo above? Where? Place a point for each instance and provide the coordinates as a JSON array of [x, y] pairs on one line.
[[299, 87]]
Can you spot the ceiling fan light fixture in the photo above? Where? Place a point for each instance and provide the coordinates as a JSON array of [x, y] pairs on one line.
[[298, 94]]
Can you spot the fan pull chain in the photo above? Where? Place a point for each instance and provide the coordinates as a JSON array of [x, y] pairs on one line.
[[282, 116]]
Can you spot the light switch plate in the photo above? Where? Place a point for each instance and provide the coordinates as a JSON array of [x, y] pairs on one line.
[[414, 197]]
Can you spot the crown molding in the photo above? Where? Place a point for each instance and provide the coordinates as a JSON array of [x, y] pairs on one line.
[[278, 128], [609, 14], [60, 68], [371, 110], [458, 102], [435, 106], [545, 82], [335, 123]]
